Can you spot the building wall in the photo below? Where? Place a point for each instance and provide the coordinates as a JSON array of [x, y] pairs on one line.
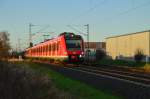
[[127, 45], [95, 45]]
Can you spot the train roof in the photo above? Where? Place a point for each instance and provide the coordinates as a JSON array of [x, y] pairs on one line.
[[65, 34]]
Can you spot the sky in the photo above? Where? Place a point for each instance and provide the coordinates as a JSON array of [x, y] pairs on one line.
[[105, 18]]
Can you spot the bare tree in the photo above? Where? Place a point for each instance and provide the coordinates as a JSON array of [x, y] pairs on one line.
[[139, 55], [4, 45]]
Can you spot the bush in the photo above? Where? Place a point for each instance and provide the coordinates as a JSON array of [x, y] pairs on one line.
[[23, 83], [100, 54], [139, 55]]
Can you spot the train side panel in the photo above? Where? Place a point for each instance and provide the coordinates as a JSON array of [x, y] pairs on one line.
[[56, 49]]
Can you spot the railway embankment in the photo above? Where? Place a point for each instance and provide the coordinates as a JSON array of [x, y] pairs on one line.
[[110, 83], [75, 89], [18, 81]]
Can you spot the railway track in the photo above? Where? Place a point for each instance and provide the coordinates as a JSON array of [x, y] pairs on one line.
[[130, 85], [118, 74], [127, 76]]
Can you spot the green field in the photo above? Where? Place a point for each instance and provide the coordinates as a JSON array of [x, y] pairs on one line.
[[75, 88]]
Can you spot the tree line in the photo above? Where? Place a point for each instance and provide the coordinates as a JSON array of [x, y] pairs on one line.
[[4, 45]]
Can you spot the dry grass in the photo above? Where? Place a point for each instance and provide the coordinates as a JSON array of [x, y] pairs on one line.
[[24, 83], [147, 68]]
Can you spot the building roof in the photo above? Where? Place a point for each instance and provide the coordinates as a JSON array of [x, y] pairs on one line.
[[128, 34]]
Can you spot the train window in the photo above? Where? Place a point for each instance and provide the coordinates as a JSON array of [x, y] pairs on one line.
[[73, 44], [36, 50], [52, 47], [41, 49], [49, 47], [55, 46], [58, 46], [46, 48]]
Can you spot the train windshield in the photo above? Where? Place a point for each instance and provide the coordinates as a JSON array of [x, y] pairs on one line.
[[73, 44]]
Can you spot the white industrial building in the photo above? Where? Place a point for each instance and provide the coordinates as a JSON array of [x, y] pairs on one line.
[[125, 46]]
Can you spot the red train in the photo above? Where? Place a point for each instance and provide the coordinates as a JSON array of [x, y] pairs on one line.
[[66, 47]]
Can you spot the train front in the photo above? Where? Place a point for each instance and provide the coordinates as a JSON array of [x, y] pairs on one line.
[[75, 47]]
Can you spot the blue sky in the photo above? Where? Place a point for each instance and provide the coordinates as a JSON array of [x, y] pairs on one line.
[[105, 17]]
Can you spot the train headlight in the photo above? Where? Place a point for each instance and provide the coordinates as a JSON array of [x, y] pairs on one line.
[[80, 56]]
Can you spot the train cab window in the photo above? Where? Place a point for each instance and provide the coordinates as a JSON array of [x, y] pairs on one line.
[[73, 44]]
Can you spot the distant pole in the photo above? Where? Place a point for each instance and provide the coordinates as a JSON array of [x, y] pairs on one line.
[[19, 45], [30, 35], [87, 41]]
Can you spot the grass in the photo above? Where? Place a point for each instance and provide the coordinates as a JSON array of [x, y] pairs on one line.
[[21, 82], [76, 88], [146, 67]]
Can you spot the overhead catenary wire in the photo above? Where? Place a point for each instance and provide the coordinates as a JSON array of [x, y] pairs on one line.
[[126, 12], [44, 28], [71, 27], [134, 8], [115, 16], [89, 10]]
